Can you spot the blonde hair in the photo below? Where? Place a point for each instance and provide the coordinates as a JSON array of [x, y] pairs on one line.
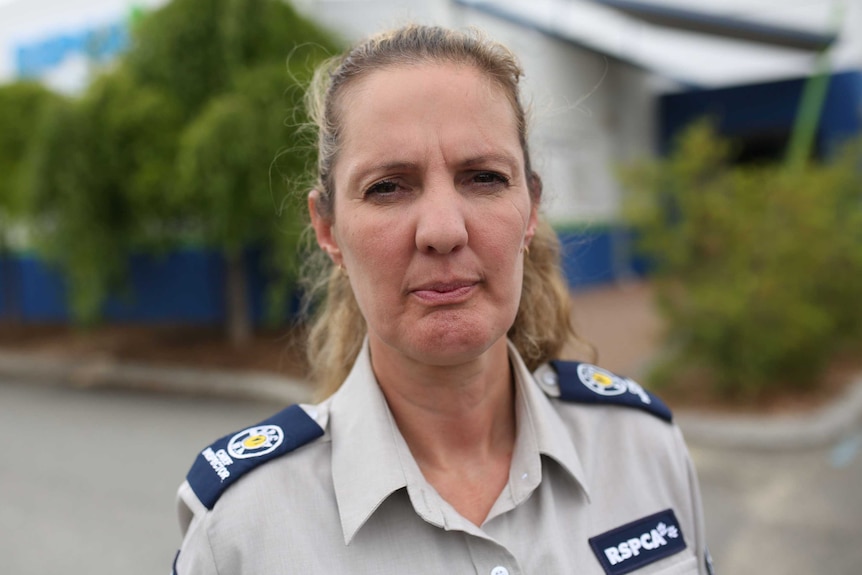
[[542, 326]]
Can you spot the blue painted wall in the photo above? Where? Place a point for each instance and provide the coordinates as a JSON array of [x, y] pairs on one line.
[[183, 287], [600, 255]]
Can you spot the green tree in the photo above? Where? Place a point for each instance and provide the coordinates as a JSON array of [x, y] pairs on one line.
[[229, 171], [22, 105], [237, 68], [194, 49], [192, 136], [98, 171]]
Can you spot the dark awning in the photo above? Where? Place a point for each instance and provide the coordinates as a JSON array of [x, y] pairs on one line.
[[729, 27]]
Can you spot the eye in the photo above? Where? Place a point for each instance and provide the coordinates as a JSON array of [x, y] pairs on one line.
[[381, 188], [489, 179]]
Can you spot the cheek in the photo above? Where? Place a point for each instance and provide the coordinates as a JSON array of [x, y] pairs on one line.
[[506, 227], [498, 241], [372, 247]]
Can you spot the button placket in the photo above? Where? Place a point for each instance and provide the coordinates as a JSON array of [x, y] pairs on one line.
[[492, 558]]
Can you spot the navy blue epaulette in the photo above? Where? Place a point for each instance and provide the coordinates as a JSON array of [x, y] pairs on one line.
[[222, 463], [587, 383]]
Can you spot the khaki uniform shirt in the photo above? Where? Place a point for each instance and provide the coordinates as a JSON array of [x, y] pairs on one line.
[[355, 501]]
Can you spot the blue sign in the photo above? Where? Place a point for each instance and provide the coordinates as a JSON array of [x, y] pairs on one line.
[[99, 44]]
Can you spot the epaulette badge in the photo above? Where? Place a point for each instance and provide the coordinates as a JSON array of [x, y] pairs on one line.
[[218, 466], [587, 383]]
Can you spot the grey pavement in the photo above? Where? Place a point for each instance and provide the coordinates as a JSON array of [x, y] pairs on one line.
[[784, 512]]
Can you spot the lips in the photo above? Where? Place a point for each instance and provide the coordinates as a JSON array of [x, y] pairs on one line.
[[445, 292]]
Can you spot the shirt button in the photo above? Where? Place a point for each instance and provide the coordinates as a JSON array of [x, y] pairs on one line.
[[549, 378], [499, 570]]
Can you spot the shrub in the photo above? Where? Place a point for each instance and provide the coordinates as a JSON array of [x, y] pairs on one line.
[[758, 268]]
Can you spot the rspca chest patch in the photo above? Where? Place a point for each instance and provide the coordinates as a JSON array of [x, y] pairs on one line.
[[587, 383], [638, 543], [218, 466]]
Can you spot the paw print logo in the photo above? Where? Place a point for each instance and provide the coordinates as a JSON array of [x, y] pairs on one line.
[[666, 531]]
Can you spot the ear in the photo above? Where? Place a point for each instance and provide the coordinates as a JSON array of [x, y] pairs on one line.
[[535, 185], [323, 228], [532, 222]]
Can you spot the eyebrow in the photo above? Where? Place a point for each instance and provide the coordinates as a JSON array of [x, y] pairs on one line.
[[388, 167], [492, 157], [362, 173]]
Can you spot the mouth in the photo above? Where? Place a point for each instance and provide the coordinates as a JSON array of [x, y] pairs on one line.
[[445, 293]]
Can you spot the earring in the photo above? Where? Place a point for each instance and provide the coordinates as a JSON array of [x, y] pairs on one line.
[[526, 249], [342, 269]]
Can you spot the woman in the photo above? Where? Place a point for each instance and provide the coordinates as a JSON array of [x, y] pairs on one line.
[[449, 441]]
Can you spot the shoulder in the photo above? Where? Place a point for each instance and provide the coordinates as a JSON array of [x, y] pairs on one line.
[[604, 413], [617, 428], [218, 466], [585, 383]]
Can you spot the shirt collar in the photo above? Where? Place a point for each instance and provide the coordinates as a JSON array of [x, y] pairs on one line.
[[366, 467], [368, 452], [540, 428]]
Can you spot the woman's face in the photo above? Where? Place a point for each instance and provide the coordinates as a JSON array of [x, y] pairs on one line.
[[432, 211]]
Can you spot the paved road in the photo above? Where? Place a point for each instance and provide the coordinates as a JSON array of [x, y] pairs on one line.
[[88, 479]]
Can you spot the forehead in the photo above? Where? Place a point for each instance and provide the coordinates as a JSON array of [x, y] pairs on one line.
[[395, 106], [426, 72]]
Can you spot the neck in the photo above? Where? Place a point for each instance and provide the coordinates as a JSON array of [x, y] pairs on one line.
[[459, 422], [459, 406]]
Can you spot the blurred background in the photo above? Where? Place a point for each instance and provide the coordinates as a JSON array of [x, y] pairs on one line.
[[702, 163]]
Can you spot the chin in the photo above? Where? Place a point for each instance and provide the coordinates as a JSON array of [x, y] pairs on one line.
[[452, 346]]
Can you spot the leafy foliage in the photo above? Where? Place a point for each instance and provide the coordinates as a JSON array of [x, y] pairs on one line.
[[194, 49], [99, 169], [22, 107], [183, 140], [759, 268]]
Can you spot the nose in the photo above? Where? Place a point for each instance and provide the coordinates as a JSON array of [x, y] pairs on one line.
[[441, 227]]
